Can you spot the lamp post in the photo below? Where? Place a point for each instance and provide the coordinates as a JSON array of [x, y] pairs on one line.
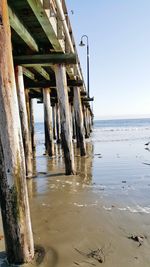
[[83, 44]]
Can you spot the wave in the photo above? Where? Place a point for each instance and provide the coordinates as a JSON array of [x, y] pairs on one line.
[[145, 122], [136, 209], [121, 129]]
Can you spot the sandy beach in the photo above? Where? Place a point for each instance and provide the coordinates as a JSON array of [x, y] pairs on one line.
[[100, 210]]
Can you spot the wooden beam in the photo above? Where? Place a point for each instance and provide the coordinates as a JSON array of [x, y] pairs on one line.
[[45, 84], [42, 72], [46, 4], [45, 23], [87, 99], [22, 31], [39, 69], [28, 74], [25, 35], [48, 28], [45, 59]]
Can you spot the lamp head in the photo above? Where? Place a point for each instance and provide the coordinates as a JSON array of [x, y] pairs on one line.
[[81, 43]]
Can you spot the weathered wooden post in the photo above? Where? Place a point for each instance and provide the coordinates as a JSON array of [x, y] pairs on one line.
[[70, 115], [79, 120], [49, 144], [28, 109], [85, 122], [88, 122], [58, 124], [28, 106], [73, 122], [32, 127], [13, 188], [24, 121], [66, 138], [54, 120]]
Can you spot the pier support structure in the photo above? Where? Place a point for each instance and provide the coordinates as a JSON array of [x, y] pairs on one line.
[[54, 120], [24, 121], [73, 122], [85, 121], [79, 121], [49, 144], [28, 107], [66, 138], [58, 124], [13, 188], [32, 127]]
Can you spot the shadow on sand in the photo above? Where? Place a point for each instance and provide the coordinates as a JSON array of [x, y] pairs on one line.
[[43, 258], [4, 262], [45, 174]]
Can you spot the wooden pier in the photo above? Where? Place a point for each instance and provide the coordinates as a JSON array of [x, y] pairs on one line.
[[38, 59]]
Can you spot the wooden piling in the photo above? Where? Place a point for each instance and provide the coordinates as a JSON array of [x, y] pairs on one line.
[[32, 127], [88, 122], [29, 114], [28, 109], [49, 144], [54, 120], [66, 138], [70, 115], [73, 122], [79, 121], [13, 188], [58, 124], [24, 121], [85, 121]]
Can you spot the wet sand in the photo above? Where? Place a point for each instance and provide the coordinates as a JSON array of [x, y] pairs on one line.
[[100, 208]]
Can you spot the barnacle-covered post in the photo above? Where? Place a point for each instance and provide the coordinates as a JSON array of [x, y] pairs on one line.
[[13, 188]]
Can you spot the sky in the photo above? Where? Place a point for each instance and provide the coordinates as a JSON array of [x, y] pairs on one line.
[[119, 40]]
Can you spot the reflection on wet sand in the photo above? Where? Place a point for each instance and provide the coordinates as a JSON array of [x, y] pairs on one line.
[[54, 198], [50, 177], [84, 165], [70, 212]]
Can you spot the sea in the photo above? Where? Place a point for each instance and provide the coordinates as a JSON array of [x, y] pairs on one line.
[[117, 167]]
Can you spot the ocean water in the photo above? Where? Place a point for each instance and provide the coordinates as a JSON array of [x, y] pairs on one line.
[[123, 167], [117, 168]]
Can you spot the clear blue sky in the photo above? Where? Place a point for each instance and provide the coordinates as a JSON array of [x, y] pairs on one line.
[[119, 37]]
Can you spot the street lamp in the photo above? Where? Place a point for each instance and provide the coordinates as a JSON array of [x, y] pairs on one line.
[[83, 44]]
